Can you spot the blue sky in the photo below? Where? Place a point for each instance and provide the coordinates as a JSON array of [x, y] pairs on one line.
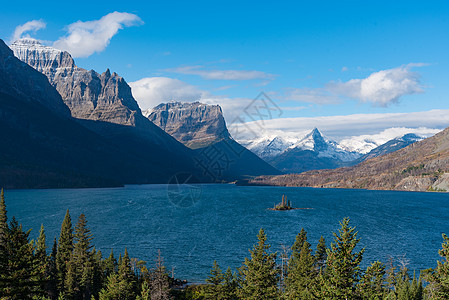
[[314, 58]]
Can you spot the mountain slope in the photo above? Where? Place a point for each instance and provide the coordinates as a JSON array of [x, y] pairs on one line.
[[418, 167], [43, 146]]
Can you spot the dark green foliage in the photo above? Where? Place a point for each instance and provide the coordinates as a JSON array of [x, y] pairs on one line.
[[372, 283], [321, 254], [438, 278], [52, 283], [20, 274], [259, 274], [3, 235], [65, 248], [301, 269], [342, 268], [121, 285], [221, 285]]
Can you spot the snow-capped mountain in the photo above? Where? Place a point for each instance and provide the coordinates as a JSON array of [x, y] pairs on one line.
[[312, 150], [269, 147]]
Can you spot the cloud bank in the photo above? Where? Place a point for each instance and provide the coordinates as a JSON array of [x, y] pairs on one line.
[[222, 74], [31, 26], [85, 38], [381, 88], [153, 91], [345, 126]]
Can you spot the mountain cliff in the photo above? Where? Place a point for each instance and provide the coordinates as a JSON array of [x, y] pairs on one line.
[[196, 125], [203, 128], [88, 94], [420, 166]]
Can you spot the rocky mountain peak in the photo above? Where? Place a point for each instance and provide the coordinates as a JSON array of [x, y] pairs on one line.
[[17, 79], [195, 124], [88, 94]]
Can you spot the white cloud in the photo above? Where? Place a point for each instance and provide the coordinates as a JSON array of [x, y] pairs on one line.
[[85, 38], [341, 127], [152, 91], [31, 26], [222, 74], [381, 88]]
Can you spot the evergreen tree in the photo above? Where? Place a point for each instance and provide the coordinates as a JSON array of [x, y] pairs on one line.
[[372, 284], [301, 269], [342, 269], [110, 265], [52, 284], [215, 280], [121, 285], [98, 275], [20, 275], [259, 274], [42, 259], [321, 254], [64, 253], [438, 278], [4, 230], [229, 289], [82, 269]]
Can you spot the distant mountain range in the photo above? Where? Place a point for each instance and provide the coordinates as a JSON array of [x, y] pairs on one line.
[[313, 151], [421, 166]]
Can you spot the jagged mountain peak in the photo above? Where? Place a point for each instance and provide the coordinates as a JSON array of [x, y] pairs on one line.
[[89, 95]]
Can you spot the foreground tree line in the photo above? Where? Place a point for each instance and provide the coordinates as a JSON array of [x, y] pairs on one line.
[[74, 269]]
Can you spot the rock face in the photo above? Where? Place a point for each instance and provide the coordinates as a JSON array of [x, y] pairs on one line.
[[88, 94], [17, 79], [421, 166], [196, 125], [202, 127]]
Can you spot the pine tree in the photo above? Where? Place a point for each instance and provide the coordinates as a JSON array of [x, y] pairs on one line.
[[301, 269], [120, 285], [110, 264], [342, 269], [438, 278], [52, 284], [160, 289], [259, 274], [42, 259], [98, 275], [321, 254], [4, 230], [20, 275], [215, 280], [64, 253], [372, 284], [229, 289], [82, 259]]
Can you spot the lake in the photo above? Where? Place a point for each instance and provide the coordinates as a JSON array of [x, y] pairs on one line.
[[194, 224]]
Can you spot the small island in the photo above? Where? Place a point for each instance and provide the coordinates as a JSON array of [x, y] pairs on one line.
[[284, 205]]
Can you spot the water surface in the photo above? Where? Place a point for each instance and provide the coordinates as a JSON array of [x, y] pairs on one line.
[[194, 225]]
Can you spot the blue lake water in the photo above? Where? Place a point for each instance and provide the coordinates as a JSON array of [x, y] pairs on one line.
[[193, 225]]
